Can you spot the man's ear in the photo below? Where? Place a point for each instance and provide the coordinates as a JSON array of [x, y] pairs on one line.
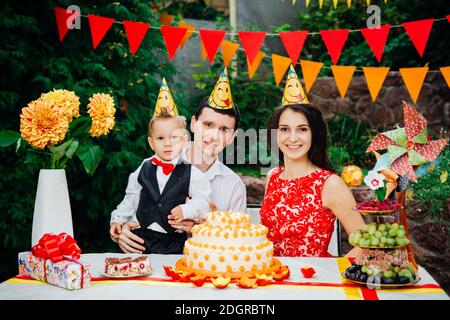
[[193, 122], [150, 142]]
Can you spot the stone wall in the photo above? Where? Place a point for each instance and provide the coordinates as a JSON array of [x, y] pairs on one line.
[[433, 102]]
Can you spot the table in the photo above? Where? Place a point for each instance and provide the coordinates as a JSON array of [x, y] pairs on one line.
[[327, 284]]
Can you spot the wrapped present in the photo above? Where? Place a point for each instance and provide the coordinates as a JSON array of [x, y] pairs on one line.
[[55, 260]]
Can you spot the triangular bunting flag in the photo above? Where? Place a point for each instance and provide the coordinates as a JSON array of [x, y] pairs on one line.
[[280, 65], [204, 54], [446, 73], [251, 42], [228, 50], [334, 41], [448, 17], [307, 3], [99, 27], [335, 2], [376, 39], [310, 70], [211, 40], [136, 32], [349, 3], [413, 78], [190, 29], [293, 42], [165, 19], [419, 31], [375, 77], [320, 4], [252, 67], [61, 16], [368, 2], [343, 75], [172, 37]]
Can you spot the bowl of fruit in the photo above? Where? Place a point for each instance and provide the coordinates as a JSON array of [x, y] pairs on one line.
[[376, 207], [383, 269], [380, 236]]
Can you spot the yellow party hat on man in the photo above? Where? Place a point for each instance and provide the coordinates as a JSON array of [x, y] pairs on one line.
[[293, 91], [220, 97], [165, 102]]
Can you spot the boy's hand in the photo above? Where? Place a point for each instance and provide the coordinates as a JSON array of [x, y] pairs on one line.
[[177, 213], [115, 230]]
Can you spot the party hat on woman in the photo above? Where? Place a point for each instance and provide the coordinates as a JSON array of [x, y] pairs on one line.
[[293, 91], [220, 97], [165, 103]]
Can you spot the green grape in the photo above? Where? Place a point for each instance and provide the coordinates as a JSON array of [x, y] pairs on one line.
[[402, 227], [390, 242], [356, 237], [366, 236], [385, 233], [365, 228], [397, 269], [401, 233], [362, 242], [369, 272], [395, 226], [400, 241], [374, 242], [383, 239], [351, 238], [400, 273], [393, 232], [364, 269], [388, 225], [388, 274], [378, 234], [372, 229], [382, 227]]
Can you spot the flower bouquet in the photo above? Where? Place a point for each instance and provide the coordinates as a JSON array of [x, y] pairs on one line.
[[52, 131]]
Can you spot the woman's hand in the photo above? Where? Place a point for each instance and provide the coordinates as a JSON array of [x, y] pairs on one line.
[[185, 225], [128, 241]]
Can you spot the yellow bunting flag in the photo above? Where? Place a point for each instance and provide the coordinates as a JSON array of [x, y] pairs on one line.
[[343, 75], [204, 53], [335, 2], [165, 19], [190, 29], [252, 67], [228, 50], [368, 2], [310, 70], [375, 77], [349, 3], [446, 73], [280, 65], [307, 3], [413, 78], [320, 4]]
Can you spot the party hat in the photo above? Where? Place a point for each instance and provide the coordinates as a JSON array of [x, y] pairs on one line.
[[165, 102], [220, 97], [293, 91]]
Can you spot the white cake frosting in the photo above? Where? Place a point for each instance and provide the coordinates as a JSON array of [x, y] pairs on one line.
[[227, 242]]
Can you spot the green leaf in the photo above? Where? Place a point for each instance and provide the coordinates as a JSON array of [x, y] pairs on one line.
[[381, 193], [8, 138], [36, 158], [90, 156], [59, 151], [79, 127], [72, 148]]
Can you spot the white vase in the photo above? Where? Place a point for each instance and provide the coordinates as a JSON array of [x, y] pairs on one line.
[[52, 212]]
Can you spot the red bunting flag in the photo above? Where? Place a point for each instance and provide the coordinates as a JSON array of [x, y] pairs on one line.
[[334, 41], [419, 31], [293, 42], [376, 39], [99, 27], [448, 17], [172, 38], [136, 32], [62, 17], [211, 40], [251, 42]]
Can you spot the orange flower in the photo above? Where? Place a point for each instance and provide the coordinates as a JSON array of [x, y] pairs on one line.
[[101, 109], [67, 101], [41, 124]]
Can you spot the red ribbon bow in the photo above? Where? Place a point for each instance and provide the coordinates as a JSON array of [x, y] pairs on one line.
[[56, 247], [166, 167]]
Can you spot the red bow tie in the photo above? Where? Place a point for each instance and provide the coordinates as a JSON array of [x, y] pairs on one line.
[[166, 167]]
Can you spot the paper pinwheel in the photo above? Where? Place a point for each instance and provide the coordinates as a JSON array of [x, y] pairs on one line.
[[409, 146]]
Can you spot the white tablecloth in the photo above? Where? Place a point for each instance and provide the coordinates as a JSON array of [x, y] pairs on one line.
[[327, 273]]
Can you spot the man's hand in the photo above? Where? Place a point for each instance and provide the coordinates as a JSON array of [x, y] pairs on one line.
[[213, 206], [185, 225], [177, 214], [115, 230], [128, 241]]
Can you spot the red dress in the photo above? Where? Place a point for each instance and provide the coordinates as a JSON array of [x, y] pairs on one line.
[[299, 225]]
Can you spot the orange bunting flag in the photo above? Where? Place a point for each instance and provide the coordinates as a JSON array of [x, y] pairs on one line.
[[343, 76], [165, 19], [375, 77], [413, 78], [310, 70], [446, 74], [204, 54], [190, 29], [136, 32], [252, 67], [280, 65], [99, 27], [228, 50]]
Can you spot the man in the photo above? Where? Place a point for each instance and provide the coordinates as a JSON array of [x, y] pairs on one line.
[[214, 127]]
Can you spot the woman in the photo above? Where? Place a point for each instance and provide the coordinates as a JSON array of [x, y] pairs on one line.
[[303, 198]]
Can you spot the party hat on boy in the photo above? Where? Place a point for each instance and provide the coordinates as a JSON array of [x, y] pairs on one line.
[[293, 91], [165, 102], [220, 97]]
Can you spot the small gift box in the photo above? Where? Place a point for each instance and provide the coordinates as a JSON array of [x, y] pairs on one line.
[[55, 260]]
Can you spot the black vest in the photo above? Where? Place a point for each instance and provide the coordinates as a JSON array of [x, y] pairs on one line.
[[155, 206]]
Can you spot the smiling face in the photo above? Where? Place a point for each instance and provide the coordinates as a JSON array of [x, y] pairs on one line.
[[292, 92], [165, 103], [294, 135], [221, 95]]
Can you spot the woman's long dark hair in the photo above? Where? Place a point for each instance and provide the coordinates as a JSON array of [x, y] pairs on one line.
[[318, 152]]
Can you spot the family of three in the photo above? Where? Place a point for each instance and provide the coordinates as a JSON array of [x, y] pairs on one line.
[[171, 191]]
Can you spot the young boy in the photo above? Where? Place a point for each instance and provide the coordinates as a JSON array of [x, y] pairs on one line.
[[163, 185]]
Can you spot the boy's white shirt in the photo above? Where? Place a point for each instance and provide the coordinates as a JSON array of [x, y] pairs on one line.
[[224, 188]]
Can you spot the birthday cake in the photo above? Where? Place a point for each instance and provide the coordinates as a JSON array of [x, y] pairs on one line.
[[127, 267], [227, 243]]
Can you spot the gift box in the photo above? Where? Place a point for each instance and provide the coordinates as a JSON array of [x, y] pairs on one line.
[[69, 274]]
